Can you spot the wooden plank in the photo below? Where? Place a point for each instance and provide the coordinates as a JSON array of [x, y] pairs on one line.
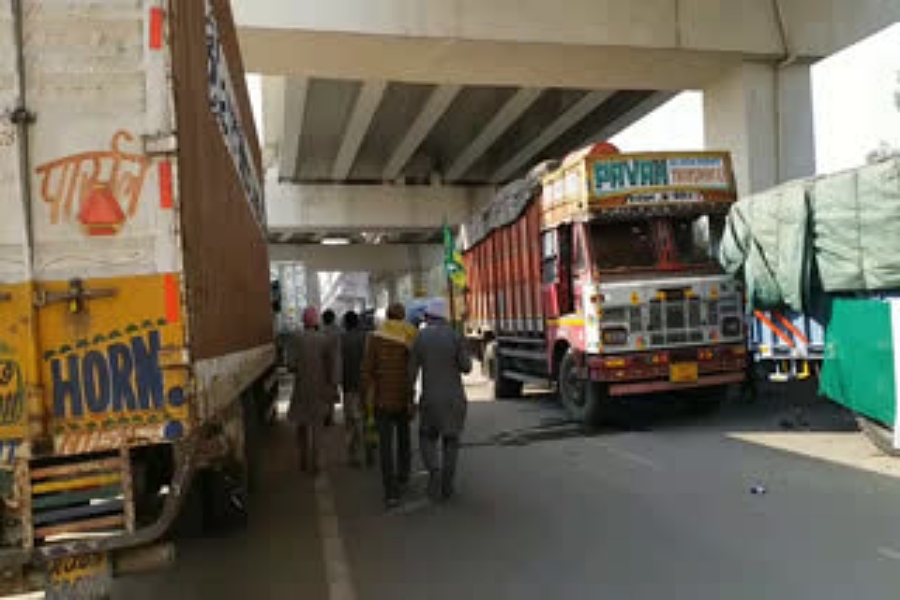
[[103, 523], [107, 464], [77, 484], [128, 490], [66, 499], [78, 512]]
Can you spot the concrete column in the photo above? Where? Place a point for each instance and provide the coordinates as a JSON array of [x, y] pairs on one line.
[[762, 114]]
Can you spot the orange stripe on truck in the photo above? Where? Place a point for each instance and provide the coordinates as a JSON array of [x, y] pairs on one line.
[[156, 27], [173, 298], [165, 184]]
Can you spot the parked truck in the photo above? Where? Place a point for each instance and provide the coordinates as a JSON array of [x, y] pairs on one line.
[[599, 274], [135, 318]]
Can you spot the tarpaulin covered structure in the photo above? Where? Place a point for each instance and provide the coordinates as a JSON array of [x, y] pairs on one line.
[[837, 233]]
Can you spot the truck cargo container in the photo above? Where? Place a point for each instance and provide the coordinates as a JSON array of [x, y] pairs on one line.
[[599, 274], [135, 318]]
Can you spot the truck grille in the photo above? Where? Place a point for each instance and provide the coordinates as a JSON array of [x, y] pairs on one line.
[[81, 496]]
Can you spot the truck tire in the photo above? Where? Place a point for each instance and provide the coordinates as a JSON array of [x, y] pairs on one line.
[[585, 401], [504, 388], [880, 436]]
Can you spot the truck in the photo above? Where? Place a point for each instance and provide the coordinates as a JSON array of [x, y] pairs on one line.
[[599, 274], [818, 259], [136, 336]]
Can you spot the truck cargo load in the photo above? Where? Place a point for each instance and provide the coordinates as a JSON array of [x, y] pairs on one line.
[[834, 233], [135, 321]]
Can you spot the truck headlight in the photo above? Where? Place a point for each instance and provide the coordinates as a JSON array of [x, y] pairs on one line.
[[615, 336]]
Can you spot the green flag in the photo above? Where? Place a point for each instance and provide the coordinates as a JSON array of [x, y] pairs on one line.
[[453, 260]]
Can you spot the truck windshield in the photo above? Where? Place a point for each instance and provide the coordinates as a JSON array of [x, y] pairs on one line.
[[627, 245]]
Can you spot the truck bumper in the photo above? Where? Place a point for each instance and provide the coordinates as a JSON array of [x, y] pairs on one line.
[[650, 387]]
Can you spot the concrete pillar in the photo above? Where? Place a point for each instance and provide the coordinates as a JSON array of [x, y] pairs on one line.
[[762, 114], [313, 291]]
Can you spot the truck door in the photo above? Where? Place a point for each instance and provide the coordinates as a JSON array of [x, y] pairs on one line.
[[556, 267], [565, 271]]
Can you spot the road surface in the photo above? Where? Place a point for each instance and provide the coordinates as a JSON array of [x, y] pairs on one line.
[[662, 506]]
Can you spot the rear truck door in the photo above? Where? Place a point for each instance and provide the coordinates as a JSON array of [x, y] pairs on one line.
[[19, 367], [92, 323]]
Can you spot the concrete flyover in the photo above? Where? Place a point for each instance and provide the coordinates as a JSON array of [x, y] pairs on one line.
[[396, 103]]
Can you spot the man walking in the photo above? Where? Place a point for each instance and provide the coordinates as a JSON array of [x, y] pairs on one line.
[[442, 357], [309, 360], [333, 334], [385, 381], [353, 346]]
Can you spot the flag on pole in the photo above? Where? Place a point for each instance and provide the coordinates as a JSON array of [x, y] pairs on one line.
[[453, 263]]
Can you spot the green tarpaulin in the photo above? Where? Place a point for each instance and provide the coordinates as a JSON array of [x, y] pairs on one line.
[[767, 239], [846, 225], [858, 371]]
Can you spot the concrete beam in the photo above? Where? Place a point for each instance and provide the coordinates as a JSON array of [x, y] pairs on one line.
[[273, 118], [743, 27], [435, 107], [503, 120], [559, 126], [323, 208], [294, 110], [380, 258], [357, 126], [628, 118]]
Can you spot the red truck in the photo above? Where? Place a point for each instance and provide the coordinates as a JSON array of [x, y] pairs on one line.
[[599, 274]]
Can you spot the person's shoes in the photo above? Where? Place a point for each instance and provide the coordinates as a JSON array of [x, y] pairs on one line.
[[392, 502], [447, 489], [434, 485]]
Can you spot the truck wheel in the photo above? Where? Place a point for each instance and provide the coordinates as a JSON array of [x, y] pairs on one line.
[[504, 388], [880, 436], [584, 400]]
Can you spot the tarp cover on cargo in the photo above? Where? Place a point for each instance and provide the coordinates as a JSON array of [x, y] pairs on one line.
[[510, 202], [859, 357], [846, 225]]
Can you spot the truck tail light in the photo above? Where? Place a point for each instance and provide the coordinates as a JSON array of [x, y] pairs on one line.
[[615, 336]]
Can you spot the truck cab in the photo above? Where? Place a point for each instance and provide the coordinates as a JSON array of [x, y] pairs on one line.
[[634, 299]]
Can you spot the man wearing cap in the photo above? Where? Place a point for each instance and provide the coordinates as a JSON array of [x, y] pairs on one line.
[[384, 376], [311, 360], [441, 355]]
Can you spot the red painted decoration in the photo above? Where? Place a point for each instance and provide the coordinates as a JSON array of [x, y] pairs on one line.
[[100, 213]]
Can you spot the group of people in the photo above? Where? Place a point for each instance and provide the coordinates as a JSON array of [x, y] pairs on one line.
[[376, 376]]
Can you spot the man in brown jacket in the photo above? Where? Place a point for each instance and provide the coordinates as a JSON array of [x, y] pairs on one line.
[[386, 381]]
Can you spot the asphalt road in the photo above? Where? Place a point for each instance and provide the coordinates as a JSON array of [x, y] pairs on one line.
[[661, 506]]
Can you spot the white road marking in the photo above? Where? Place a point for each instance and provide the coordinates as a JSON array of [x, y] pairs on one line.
[[889, 552], [632, 457], [340, 581]]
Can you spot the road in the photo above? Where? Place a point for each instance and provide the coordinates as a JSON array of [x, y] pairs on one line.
[[661, 506]]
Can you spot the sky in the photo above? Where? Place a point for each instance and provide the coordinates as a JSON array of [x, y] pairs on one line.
[[853, 108]]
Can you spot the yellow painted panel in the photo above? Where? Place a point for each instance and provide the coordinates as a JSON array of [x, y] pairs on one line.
[[18, 368], [104, 380]]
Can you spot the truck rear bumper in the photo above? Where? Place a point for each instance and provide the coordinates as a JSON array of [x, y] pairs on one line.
[[649, 387]]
